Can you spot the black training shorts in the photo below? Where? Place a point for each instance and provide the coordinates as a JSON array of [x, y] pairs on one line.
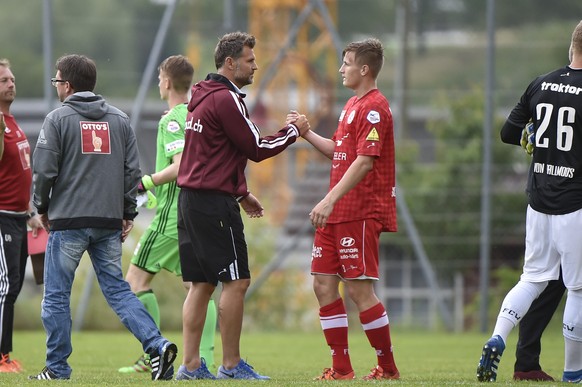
[[211, 237]]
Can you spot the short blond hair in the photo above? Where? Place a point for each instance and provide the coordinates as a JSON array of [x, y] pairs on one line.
[[180, 71], [576, 44]]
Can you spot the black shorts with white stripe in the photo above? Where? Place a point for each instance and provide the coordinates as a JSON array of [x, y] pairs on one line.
[[211, 237]]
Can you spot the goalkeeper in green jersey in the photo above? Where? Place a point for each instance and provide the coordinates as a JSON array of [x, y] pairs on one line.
[[158, 246]]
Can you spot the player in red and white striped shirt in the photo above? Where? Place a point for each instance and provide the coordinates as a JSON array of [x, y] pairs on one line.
[[360, 204]]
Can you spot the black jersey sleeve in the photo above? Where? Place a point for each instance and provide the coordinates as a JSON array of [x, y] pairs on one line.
[[511, 133]]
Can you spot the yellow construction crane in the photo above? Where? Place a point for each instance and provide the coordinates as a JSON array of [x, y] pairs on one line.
[[298, 65]]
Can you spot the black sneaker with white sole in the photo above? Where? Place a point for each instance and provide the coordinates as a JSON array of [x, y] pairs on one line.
[[46, 374], [161, 361], [169, 375]]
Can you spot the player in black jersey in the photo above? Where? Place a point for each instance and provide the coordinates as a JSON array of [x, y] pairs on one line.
[[554, 214]]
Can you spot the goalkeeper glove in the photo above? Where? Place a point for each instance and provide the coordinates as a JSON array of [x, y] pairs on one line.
[[152, 201], [145, 184], [528, 138], [147, 200]]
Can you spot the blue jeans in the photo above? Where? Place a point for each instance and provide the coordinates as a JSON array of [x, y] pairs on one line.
[[63, 253]]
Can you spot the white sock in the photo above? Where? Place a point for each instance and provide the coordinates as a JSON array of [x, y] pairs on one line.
[[573, 355], [515, 306], [503, 327], [573, 329]]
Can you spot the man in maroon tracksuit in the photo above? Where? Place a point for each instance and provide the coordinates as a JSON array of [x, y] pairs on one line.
[[15, 213], [219, 139]]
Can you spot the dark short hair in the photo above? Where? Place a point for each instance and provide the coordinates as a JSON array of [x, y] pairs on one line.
[[367, 52], [79, 70], [231, 45], [180, 71]]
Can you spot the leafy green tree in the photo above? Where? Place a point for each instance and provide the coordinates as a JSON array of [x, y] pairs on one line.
[[444, 195]]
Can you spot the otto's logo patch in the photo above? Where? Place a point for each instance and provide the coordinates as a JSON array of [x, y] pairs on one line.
[[95, 138], [347, 241], [24, 152]]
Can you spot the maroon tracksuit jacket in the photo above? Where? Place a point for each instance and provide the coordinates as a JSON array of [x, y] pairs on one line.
[[220, 138]]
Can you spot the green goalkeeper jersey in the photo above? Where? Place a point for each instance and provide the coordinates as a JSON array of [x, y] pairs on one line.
[[170, 141]]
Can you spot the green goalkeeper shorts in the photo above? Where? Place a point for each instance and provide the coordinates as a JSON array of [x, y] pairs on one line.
[[155, 252]]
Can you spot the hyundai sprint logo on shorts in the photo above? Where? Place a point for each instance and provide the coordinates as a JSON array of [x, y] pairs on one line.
[[347, 241], [348, 251]]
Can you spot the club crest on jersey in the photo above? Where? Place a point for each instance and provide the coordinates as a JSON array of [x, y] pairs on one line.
[[95, 138], [373, 135], [351, 116], [373, 117], [173, 127]]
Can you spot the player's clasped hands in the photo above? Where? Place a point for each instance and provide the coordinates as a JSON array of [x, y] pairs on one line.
[[299, 120]]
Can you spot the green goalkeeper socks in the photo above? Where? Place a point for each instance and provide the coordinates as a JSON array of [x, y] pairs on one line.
[[149, 300], [208, 335]]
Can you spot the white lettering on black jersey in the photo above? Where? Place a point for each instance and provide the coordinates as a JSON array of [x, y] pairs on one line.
[[554, 102]]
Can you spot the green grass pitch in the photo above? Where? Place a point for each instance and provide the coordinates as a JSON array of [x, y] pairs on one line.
[[424, 358]]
